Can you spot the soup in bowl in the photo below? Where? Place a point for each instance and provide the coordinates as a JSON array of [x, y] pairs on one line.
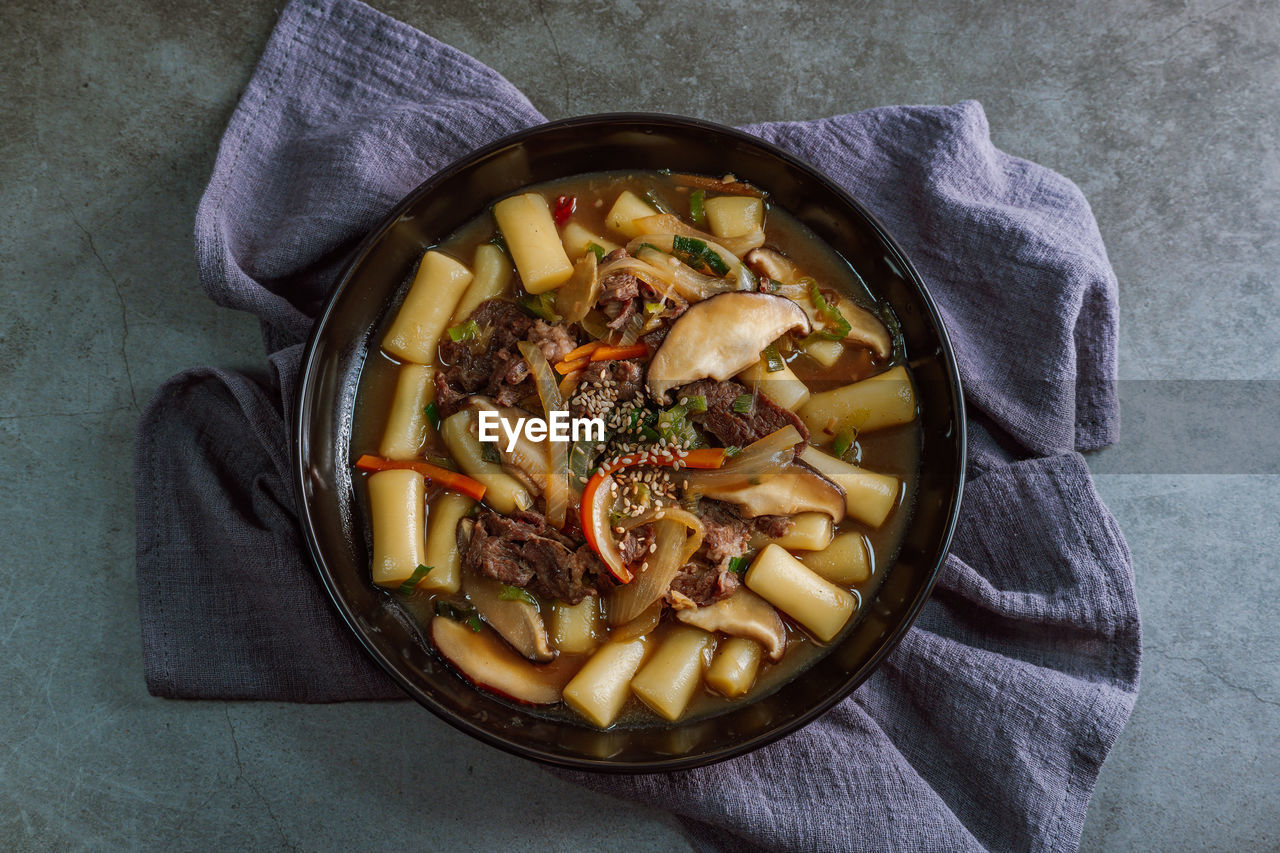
[[630, 453]]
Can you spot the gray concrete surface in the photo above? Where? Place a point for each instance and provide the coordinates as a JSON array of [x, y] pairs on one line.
[[1164, 112]]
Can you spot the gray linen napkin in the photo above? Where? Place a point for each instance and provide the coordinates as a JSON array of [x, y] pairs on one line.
[[985, 729]]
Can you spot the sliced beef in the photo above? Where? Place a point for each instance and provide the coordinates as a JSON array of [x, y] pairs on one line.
[[738, 429], [525, 551], [553, 340], [492, 364], [634, 546], [703, 584]]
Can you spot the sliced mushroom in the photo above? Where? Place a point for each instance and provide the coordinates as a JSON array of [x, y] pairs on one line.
[[743, 614], [866, 328], [773, 264], [797, 488], [518, 621], [528, 461], [486, 661], [721, 336]]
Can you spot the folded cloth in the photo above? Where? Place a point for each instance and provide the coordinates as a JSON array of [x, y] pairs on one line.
[[985, 729]]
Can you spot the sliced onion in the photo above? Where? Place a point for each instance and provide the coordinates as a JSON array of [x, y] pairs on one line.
[[673, 550], [762, 458], [557, 492], [578, 295], [669, 224], [639, 626], [656, 277], [690, 284]]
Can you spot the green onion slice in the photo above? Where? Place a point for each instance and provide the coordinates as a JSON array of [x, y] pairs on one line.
[[597, 250], [831, 312], [464, 331], [697, 254], [843, 442], [410, 584], [514, 593], [697, 207], [738, 565], [432, 411], [743, 404], [773, 362]]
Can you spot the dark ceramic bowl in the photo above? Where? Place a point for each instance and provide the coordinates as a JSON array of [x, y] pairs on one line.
[[369, 286]]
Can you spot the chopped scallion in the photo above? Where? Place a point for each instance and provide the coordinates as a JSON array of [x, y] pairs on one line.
[[542, 306], [738, 565], [432, 411], [464, 331], [410, 584], [842, 326], [697, 403], [467, 614], [597, 250], [501, 242], [515, 593], [773, 362], [743, 404], [697, 209], [697, 254], [843, 442]]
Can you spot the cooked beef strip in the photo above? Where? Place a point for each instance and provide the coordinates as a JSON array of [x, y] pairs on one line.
[[703, 583], [553, 339], [735, 429], [524, 550], [634, 546], [493, 365]]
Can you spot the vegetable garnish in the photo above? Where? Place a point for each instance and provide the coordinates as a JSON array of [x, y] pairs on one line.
[[467, 614], [597, 250], [608, 353], [464, 331], [738, 565], [656, 203], [579, 352], [843, 442], [697, 403], [566, 367], [565, 206], [410, 584], [542, 305], [514, 593], [831, 312], [743, 404], [698, 255], [697, 210], [501, 242], [594, 510], [432, 411], [451, 480], [773, 359]]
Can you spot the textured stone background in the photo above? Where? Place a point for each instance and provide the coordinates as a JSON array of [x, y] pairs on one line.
[[1164, 112]]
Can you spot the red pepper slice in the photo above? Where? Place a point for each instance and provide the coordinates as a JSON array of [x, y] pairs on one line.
[[593, 501], [451, 480], [565, 206]]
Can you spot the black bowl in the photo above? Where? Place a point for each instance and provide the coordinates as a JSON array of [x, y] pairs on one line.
[[344, 336]]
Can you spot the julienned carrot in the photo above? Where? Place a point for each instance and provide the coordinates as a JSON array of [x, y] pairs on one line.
[[608, 353], [567, 366], [451, 480], [584, 350], [703, 457]]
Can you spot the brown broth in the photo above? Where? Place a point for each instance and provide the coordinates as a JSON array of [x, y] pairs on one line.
[[893, 451]]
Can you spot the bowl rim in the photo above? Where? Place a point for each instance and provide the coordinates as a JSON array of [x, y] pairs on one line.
[[300, 446]]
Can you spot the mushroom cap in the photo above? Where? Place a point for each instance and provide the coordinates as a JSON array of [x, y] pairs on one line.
[[795, 489], [721, 336]]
